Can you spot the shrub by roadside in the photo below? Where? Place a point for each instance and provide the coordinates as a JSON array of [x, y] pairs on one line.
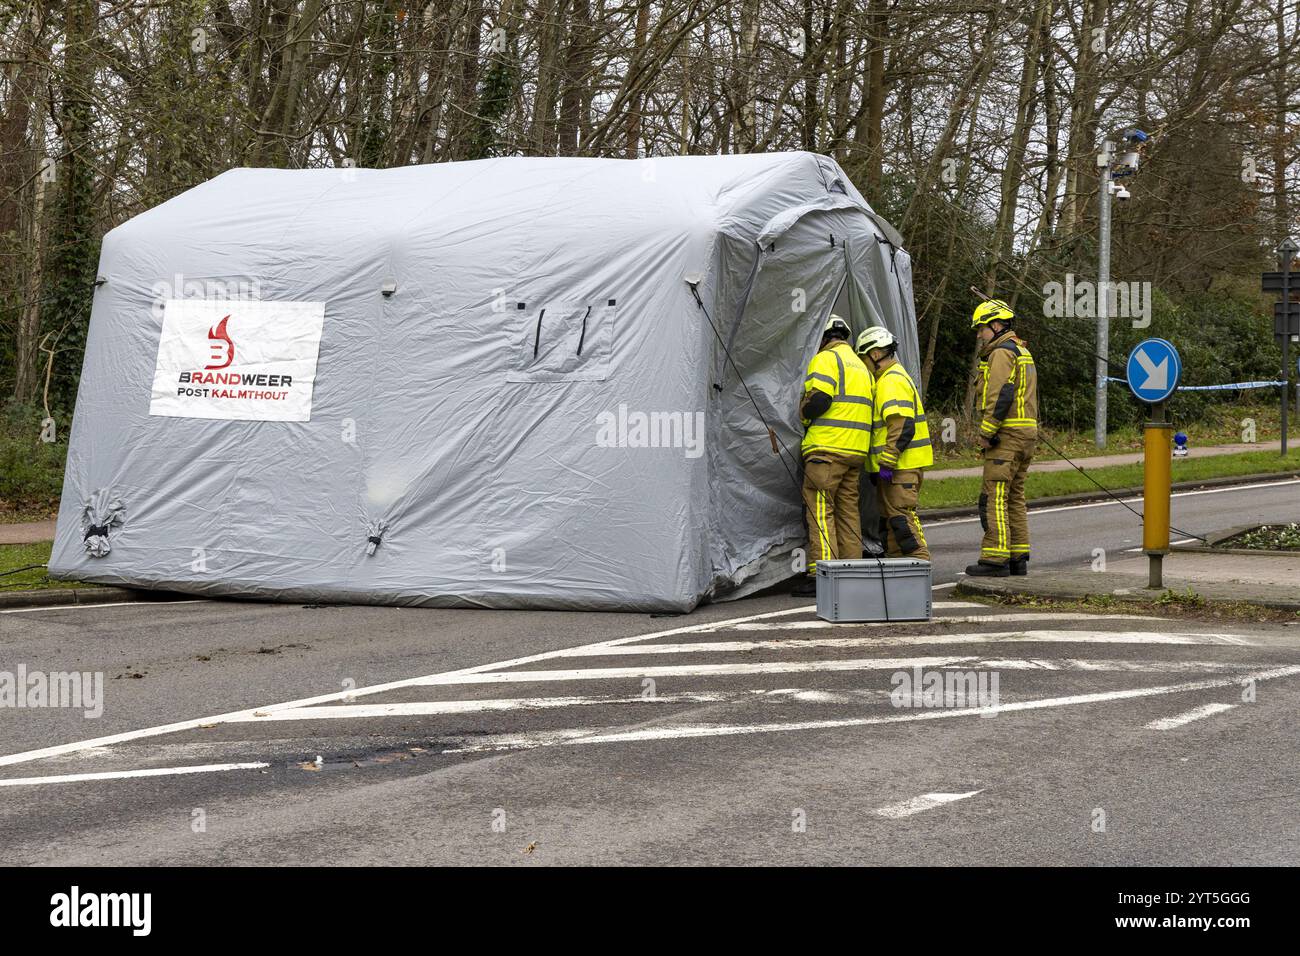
[[31, 470]]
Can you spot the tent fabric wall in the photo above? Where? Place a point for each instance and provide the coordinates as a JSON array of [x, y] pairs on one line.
[[490, 330]]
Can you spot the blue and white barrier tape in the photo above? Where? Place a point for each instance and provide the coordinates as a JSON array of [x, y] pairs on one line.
[[1211, 388]]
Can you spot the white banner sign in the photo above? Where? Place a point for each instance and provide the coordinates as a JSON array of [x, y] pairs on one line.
[[247, 360]]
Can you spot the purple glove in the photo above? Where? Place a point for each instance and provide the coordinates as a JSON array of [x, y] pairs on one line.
[[886, 474]]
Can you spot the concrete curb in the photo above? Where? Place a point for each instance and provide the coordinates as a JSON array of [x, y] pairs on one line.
[[939, 514], [92, 595], [1001, 587]]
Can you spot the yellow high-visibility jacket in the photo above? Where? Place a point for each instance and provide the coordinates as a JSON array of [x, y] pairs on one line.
[[1010, 388], [844, 428], [900, 439]]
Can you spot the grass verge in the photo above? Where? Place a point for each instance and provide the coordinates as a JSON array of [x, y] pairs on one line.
[[956, 492], [16, 556]]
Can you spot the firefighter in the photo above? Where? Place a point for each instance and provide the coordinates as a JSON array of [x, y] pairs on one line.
[[900, 445], [836, 411], [1008, 436]]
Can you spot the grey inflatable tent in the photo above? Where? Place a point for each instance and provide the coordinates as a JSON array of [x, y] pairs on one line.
[[541, 383]]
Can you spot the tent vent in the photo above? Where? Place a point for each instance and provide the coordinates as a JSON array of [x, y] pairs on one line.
[[99, 514], [582, 336], [389, 288], [375, 535], [521, 306], [611, 302], [100, 280]]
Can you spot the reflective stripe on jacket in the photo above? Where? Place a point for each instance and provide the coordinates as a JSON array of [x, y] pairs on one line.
[[901, 437], [845, 427], [1010, 386]]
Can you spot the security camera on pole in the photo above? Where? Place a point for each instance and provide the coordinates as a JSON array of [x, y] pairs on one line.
[[1113, 165]]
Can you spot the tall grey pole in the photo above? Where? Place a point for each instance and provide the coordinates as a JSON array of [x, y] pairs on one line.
[[1287, 251], [1103, 296]]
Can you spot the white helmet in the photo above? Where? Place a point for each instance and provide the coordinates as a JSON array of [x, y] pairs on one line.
[[876, 337], [836, 324]]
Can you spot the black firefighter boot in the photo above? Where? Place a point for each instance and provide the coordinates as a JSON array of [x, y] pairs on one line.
[[1019, 566], [987, 569], [806, 586]]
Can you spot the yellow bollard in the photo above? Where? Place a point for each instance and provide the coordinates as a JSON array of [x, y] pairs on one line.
[[1157, 446]]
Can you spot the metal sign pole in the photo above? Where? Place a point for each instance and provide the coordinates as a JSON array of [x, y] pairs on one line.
[[1156, 488], [1287, 251], [1103, 297]]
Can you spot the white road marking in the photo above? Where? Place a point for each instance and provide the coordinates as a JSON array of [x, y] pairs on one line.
[[955, 619], [197, 722], [433, 708], [1130, 667], [1169, 723], [82, 607], [691, 670], [1136, 498], [126, 774], [820, 666], [597, 735], [926, 801], [901, 640], [477, 673]]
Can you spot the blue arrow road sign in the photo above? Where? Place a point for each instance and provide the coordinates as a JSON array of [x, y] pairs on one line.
[[1153, 370]]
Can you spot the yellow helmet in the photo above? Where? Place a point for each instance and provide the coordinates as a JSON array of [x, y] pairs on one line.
[[993, 309]]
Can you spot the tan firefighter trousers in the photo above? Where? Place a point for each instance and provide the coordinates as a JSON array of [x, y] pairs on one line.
[[1002, 498], [902, 532], [830, 503]]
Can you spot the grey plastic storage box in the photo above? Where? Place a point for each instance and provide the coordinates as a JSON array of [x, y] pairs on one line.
[[890, 589]]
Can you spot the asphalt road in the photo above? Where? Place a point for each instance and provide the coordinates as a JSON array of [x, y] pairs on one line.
[[747, 732]]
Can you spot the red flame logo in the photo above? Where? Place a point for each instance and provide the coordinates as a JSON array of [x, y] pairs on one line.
[[222, 349]]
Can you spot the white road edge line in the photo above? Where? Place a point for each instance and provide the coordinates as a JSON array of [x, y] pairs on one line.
[[126, 774], [1169, 723], [83, 607], [92, 606], [926, 801]]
